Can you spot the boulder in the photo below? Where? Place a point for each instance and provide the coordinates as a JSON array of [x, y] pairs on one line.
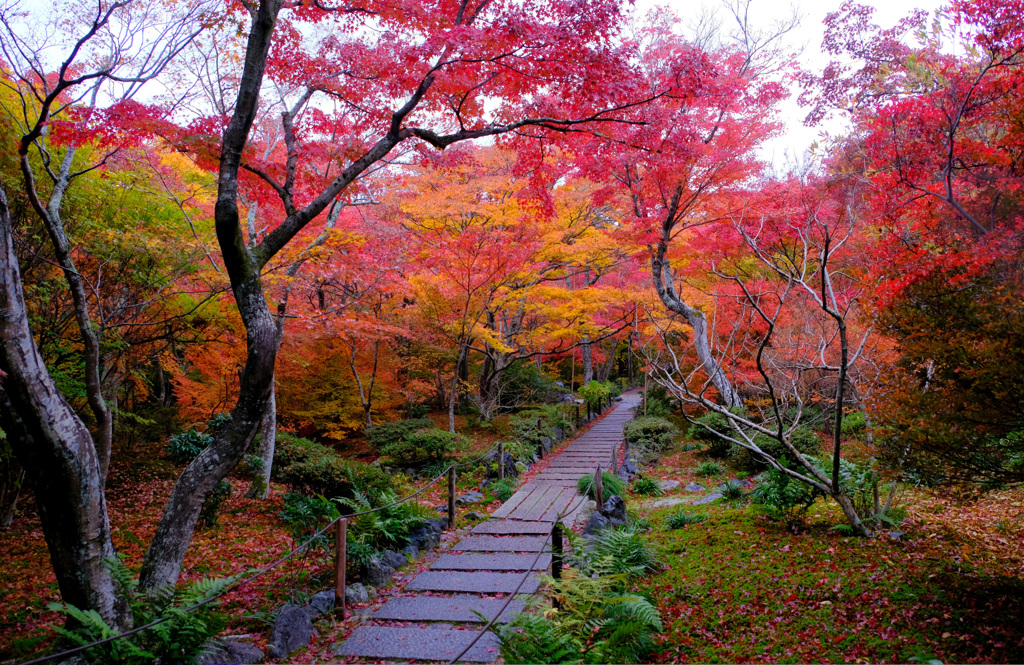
[[548, 443], [394, 559], [558, 433], [377, 573], [321, 603], [437, 525], [618, 399], [584, 513], [293, 629], [228, 652], [473, 515], [468, 497], [615, 510], [669, 485], [411, 552], [714, 496], [597, 522], [492, 465], [356, 594], [693, 487]]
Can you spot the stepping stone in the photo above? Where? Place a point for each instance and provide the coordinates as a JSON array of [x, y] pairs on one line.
[[478, 582], [511, 527], [661, 503], [454, 609], [436, 644], [714, 496], [500, 544], [498, 561], [694, 487]]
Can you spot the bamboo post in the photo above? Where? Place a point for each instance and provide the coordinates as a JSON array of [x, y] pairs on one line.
[[615, 461], [451, 497], [599, 488], [556, 556], [501, 460], [340, 554]]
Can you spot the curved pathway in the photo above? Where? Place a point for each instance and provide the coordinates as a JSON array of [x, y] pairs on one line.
[[470, 579]]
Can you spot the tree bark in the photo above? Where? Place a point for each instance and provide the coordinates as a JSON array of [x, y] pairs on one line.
[[587, 359], [57, 451], [259, 488]]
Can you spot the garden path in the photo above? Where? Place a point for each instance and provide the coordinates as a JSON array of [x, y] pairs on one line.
[[478, 572]]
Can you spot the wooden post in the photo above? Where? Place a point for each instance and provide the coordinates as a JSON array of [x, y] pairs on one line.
[[556, 556], [599, 488], [501, 460], [577, 416], [540, 444], [340, 554], [451, 497]]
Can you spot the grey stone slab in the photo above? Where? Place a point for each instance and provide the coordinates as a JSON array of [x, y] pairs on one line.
[[499, 544], [491, 561], [411, 643], [511, 527], [454, 609], [714, 496], [476, 582]]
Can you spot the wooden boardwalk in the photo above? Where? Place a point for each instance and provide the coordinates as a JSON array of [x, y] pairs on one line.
[[489, 563]]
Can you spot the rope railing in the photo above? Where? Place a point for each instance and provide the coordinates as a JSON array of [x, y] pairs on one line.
[[339, 522]]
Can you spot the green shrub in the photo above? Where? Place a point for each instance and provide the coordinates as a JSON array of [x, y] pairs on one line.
[[708, 468], [610, 485], [305, 515], [784, 497], [704, 430], [804, 439], [218, 422], [210, 512], [659, 404], [680, 519], [593, 393], [426, 446], [179, 639], [650, 433], [620, 551], [381, 436], [185, 447], [503, 490], [645, 486], [312, 469], [523, 428], [385, 528], [853, 424], [732, 490]]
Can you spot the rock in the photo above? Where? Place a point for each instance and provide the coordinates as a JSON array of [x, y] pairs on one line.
[[468, 497], [558, 433], [492, 465], [585, 511], [394, 559], [411, 552], [671, 501], [745, 483], [355, 594], [669, 485], [437, 525], [321, 603], [548, 443], [623, 475], [228, 652], [714, 496], [597, 522], [615, 510], [423, 537], [693, 487], [895, 535], [473, 515], [293, 629], [618, 399], [442, 507], [377, 573]]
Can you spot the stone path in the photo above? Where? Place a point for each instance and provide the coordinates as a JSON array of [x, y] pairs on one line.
[[475, 574]]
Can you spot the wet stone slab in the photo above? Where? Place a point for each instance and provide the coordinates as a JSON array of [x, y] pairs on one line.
[[460, 608], [434, 644], [495, 561], [478, 582], [500, 544]]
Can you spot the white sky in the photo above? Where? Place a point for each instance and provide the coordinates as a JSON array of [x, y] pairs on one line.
[[798, 138]]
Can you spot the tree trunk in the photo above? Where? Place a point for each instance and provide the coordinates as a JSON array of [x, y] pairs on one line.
[[587, 360], [57, 451], [259, 488], [663, 284]]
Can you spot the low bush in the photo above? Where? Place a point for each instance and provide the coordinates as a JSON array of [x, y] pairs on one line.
[[708, 468], [733, 490], [595, 392], [659, 403], [804, 439], [645, 486], [854, 424], [387, 528], [426, 446], [610, 485], [386, 434], [305, 515], [210, 512], [311, 468], [650, 433], [185, 447], [784, 498], [708, 430], [680, 519], [502, 490]]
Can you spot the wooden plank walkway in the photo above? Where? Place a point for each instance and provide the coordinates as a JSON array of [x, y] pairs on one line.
[[477, 571]]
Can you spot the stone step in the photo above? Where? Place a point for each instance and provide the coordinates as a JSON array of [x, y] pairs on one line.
[[454, 609], [492, 561], [476, 582], [511, 527], [414, 643], [500, 544]]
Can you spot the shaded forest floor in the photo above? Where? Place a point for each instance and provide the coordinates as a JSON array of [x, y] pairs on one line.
[[735, 588]]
